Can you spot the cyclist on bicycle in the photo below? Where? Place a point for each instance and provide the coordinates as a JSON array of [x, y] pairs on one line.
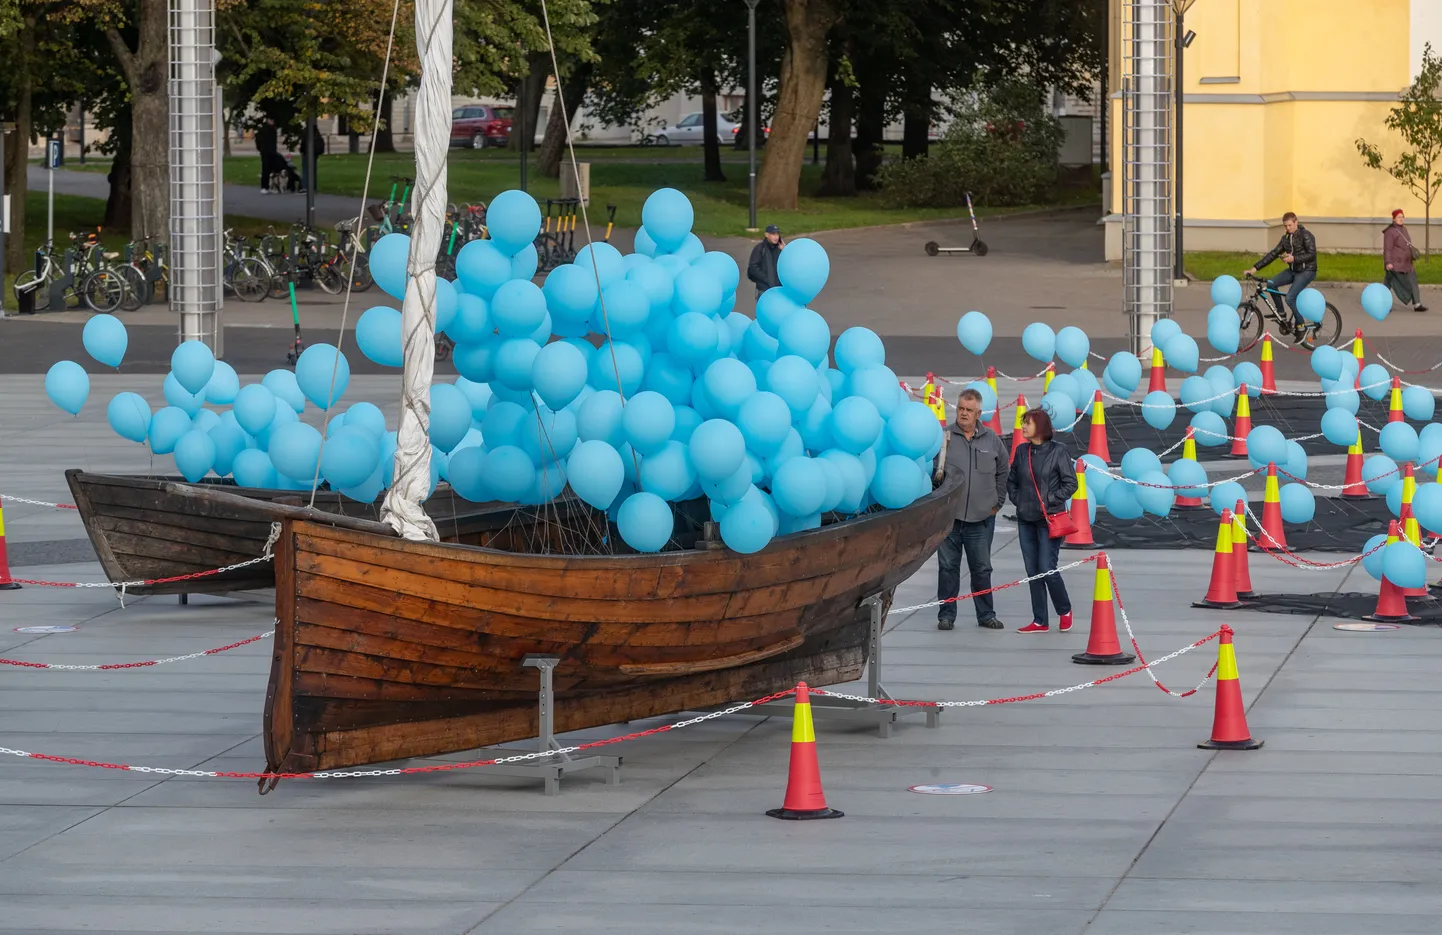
[[1298, 249]]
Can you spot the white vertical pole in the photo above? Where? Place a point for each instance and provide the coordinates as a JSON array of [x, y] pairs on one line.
[[1147, 218], [194, 223]]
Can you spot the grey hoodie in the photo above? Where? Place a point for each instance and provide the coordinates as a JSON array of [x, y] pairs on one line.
[[983, 462]]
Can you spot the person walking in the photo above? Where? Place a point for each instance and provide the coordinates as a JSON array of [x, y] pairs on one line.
[[1397, 256], [980, 457], [267, 143], [1041, 481], [761, 269]]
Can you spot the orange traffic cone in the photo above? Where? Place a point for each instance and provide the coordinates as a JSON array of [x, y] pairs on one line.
[[1391, 602], [1353, 487], [1189, 453], [1103, 649], [1242, 424], [1046, 380], [1360, 354], [1229, 723], [1157, 379], [1273, 535], [1394, 409], [994, 423], [1241, 568], [1269, 369], [1222, 591], [1097, 444], [1080, 513], [804, 797], [5, 583], [1016, 437]]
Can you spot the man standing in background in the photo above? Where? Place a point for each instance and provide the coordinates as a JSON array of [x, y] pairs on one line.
[[762, 267], [981, 458]]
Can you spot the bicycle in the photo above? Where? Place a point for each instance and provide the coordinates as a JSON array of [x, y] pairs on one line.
[[247, 276], [1267, 302], [82, 275]]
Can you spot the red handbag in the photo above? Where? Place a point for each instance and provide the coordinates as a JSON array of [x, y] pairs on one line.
[[1058, 525]]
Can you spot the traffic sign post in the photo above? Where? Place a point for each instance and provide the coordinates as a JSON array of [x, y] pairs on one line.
[[5, 129], [52, 160]]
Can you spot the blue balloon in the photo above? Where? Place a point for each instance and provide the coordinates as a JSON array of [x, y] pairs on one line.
[[747, 525], [973, 330], [805, 334], [466, 471], [1429, 450], [450, 420], [192, 363], [796, 381], [724, 266], [648, 421], [68, 386], [255, 408], [1296, 461], [513, 219], [803, 267], [1418, 403], [659, 285], [194, 455], [668, 472], [1399, 442], [895, 485], [524, 262], [1125, 370], [690, 251], [799, 487], [378, 334], [1225, 496], [129, 415], [1380, 473], [1226, 290], [510, 472], [283, 384], [1345, 399], [548, 435], [1087, 387], [1377, 300], [1299, 505], [1339, 426], [860, 347], [879, 385], [1224, 330], [1155, 494], [570, 292], [558, 372], [1327, 362], [666, 218], [295, 451], [1372, 555], [600, 418], [765, 422], [1039, 342], [177, 396], [369, 417], [774, 306], [1376, 380], [1163, 330], [1404, 565], [1250, 374], [913, 430], [1188, 477], [1073, 346], [517, 308], [596, 473], [388, 259], [1139, 461], [482, 267], [1067, 385], [322, 373], [514, 360], [988, 396], [717, 449], [1098, 475], [447, 303], [105, 339], [166, 427], [687, 421], [696, 290], [1181, 352], [1209, 430], [1121, 501], [855, 424], [224, 384], [728, 383], [692, 339], [352, 456], [229, 440], [1427, 506], [603, 260], [627, 308], [1265, 443], [1158, 409], [1062, 410], [504, 424], [205, 420], [1311, 305]]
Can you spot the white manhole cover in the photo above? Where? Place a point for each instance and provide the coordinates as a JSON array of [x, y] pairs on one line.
[[46, 629], [950, 788]]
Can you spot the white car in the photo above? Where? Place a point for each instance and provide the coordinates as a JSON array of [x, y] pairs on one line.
[[689, 129]]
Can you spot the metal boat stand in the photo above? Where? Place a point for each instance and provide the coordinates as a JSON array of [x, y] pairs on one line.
[[551, 768], [882, 715]]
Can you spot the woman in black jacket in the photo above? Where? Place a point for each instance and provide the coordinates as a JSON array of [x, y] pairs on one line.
[[1042, 479]]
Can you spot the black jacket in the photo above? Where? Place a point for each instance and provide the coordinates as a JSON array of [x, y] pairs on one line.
[[1301, 245], [1055, 477], [762, 267]]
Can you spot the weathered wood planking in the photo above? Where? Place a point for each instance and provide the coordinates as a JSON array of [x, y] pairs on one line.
[[390, 649]]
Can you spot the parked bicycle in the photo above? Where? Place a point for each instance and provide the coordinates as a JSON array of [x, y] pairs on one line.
[[1263, 301]]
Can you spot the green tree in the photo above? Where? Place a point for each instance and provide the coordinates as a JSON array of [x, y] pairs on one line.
[[1417, 119]]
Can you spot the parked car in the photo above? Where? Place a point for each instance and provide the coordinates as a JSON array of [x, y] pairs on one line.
[[689, 131], [481, 125]]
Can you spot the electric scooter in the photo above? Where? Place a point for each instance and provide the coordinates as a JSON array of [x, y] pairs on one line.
[[978, 246]]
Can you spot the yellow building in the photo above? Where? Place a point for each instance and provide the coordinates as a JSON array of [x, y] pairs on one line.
[[1276, 93]]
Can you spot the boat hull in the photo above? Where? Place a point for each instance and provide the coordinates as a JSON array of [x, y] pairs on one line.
[[388, 649]]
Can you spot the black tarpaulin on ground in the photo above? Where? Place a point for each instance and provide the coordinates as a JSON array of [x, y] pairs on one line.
[[1338, 526], [1295, 416], [1351, 605]]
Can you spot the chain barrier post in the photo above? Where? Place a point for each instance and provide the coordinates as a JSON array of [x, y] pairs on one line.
[[1222, 591], [1229, 723], [1189, 453], [805, 800], [1269, 368], [1353, 487], [1241, 567], [5, 583], [1391, 600], [1360, 354], [1097, 441], [1016, 436], [1103, 648], [1242, 425], [1080, 512], [1272, 510], [1157, 378], [1394, 405]]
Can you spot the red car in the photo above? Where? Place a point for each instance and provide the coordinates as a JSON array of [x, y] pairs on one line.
[[481, 125]]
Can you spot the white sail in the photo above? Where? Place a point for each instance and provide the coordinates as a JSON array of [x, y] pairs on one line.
[[412, 481]]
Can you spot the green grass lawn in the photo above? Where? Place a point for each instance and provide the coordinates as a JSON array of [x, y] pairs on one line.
[[1331, 267]]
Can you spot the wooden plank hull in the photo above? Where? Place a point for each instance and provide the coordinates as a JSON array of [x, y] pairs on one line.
[[388, 649], [148, 527]]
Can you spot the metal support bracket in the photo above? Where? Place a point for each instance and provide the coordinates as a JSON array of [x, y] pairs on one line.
[[551, 768]]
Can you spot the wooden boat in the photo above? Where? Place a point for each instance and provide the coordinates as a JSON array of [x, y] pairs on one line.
[[148, 527], [388, 649]]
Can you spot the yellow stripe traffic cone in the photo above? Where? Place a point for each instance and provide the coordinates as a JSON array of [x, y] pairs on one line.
[[804, 796], [1229, 723]]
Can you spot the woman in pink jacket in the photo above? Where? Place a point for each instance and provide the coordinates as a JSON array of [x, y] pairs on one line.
[[1397, 250]]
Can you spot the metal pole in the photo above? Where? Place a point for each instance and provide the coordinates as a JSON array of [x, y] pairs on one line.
[[4, 214], [50, 196], [1181, 268], [751, 108], [310, 163], [523, 112], [82, 134]]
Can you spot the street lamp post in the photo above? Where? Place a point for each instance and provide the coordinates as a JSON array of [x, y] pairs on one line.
[[751, 108], [4, 211], [1183, 39]]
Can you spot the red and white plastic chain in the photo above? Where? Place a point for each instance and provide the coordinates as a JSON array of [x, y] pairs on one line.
[[1287, 557], [1126, 622], [111, 666], [1308, 483], [1172, 487], [1007, 376], [58, 506], [405, 770], [1377, 353], [999, 587]]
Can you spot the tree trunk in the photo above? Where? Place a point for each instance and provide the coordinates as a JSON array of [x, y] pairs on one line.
[[385, 136], [17, 157], [710, 140], [146, 70], [870, 128], [118, 205], [839, 177], [803, 82], [528, 101], [553, 146], [741, 140], [917, 126]]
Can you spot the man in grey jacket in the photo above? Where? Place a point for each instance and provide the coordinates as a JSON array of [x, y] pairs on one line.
[[982, 459]]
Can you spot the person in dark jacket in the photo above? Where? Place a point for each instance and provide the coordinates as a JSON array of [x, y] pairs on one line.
[[762, 267], [980, 457], [1401, 276], [1041, 481], [267, 143], [1298, 249]]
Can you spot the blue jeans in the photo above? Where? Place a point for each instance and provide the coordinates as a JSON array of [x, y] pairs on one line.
[[1298, 282], [975, 540], [1039, 552]]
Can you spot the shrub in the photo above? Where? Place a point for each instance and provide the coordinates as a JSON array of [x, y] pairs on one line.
[[1002, 147]]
